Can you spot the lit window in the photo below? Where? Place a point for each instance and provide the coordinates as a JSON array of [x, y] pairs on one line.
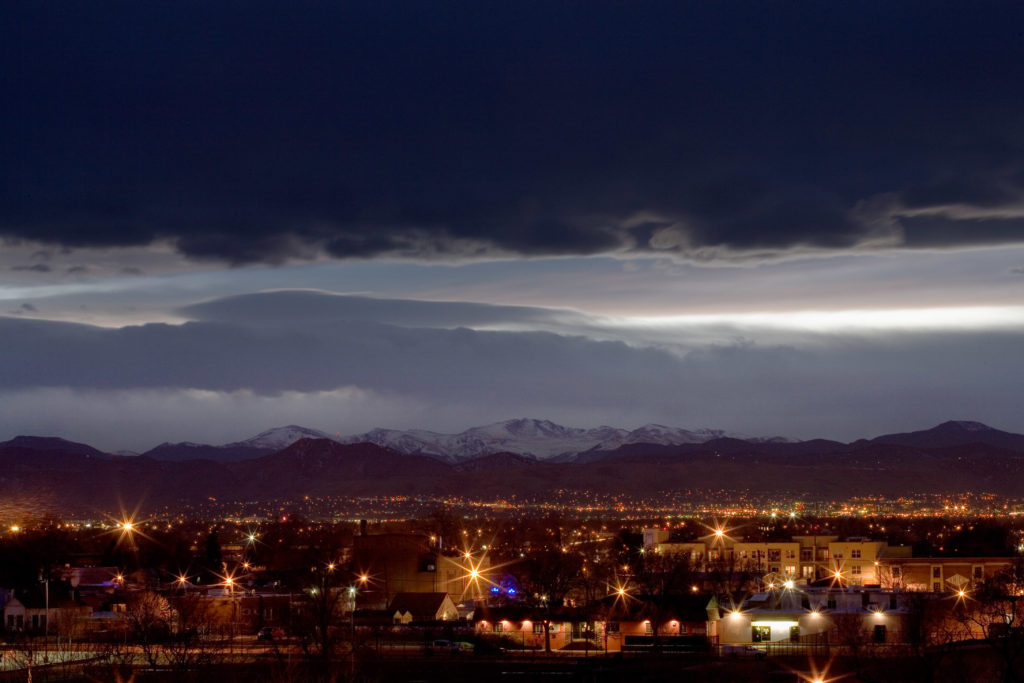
[[855, 554]]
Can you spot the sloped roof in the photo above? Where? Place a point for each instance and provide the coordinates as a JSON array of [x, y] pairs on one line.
[[94, 576], [31, 598], [687, 607], [422, 606]]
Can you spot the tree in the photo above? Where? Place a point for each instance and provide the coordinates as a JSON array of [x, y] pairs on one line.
[[995, 613], [319, 622], [149, 623], [933, 625], [546, 580], [659, 576]]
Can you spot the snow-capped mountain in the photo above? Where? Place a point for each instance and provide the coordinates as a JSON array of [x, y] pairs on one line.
[[280, 437], [542, 439]]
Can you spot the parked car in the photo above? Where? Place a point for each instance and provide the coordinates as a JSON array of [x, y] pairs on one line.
[[270, 633], [742, 651]]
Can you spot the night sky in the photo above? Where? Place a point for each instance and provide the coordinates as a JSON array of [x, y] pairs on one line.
[[801, 218]]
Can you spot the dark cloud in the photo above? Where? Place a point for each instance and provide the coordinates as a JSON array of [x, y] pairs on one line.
[[35, 268], [273, 130], [831, 386], [301, 308], [454, 365]]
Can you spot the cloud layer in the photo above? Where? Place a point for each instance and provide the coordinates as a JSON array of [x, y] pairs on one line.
[[705, 131], [348, 364]]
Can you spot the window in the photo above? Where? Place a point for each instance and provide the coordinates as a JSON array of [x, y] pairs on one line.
[[879, 634], [897, 571], [774, 555], [648, 628], [790, 554], [855, 553], [936, 586], [978, 572], [855, 570], [613, 627], [555, 628], [760, 634], [791, 569], [936, 572], [794, 634], [805, 554], [830, 603], [538, 629], [743, 554], [892, 602], [773, 570], [497, 627]]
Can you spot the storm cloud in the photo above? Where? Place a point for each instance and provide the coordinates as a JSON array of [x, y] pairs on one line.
[[704, 131]]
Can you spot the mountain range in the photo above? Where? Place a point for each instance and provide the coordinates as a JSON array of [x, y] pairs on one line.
[[49, 475], [541, 439]]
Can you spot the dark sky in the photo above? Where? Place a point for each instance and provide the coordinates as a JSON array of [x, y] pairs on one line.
[[257, 131], [653, 186]]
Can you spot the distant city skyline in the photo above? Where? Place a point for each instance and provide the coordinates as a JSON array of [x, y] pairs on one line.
[[762, 219]]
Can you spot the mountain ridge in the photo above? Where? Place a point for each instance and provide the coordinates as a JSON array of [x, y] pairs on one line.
[[58, 482]]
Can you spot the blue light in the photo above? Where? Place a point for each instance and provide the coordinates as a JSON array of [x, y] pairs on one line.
[[511, 591], [495, 589]]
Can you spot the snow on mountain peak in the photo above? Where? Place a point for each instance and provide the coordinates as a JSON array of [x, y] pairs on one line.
[[525, 436], [282, 437]]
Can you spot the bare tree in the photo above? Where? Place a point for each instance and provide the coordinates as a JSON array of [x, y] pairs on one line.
[[546, 581], [149, 623], [319, 623], [994, 612], [659, 576]]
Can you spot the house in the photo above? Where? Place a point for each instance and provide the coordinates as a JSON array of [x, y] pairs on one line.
[[92, 580], [610, 624], [643, 621], [408, 608], [525, 625], [27, 610], [808, 614]]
